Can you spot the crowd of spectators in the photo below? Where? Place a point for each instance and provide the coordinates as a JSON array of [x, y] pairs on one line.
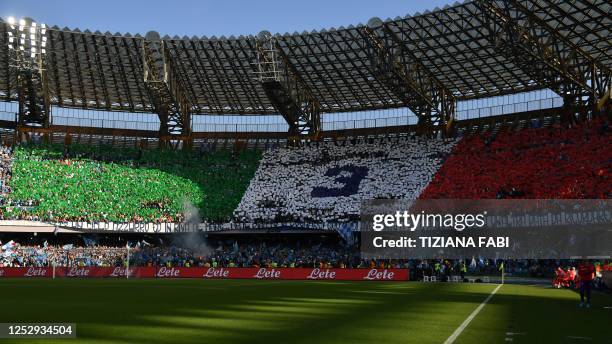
[[546, 163], [326, 182], [6, 167], [40, 256], [320, 182], [270, 253], [197, 253], [86, 183]]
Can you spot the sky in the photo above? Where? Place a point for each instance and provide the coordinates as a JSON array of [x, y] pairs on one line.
[[208, 17]]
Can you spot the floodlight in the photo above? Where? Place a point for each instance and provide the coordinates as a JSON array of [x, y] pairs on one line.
[[28, 40]]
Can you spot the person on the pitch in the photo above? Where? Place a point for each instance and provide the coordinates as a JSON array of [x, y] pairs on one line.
[[586, 274]]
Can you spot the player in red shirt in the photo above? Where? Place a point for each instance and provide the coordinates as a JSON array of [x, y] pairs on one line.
[[586, 274]]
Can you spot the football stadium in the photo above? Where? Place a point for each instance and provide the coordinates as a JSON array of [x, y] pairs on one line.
[[438, 177]]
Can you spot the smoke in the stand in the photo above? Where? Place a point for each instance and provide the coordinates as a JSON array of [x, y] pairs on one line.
[[192, 240], [192, 213]]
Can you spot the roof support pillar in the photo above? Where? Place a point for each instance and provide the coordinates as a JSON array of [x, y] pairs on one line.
[[287, 91], [409, 79], [167, 93]]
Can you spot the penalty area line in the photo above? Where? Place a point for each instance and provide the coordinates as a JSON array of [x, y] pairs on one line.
[[470, 317]]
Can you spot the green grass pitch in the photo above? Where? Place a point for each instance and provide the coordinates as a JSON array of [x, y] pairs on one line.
[[253, 311]]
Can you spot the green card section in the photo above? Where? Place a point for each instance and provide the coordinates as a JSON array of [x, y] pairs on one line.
[[119, 185]]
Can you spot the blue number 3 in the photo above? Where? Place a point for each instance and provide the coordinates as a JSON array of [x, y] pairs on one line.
[[351, 182]]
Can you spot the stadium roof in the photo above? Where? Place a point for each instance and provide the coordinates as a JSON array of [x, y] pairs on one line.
[[97, 70]]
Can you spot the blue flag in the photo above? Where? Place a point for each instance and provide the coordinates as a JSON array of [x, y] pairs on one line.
[[346, 233]]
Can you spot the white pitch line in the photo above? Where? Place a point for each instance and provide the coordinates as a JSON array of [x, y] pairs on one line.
[[471, 317], [579, 338], [514, 333]]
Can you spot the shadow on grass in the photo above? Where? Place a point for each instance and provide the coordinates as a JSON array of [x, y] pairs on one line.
[[196, 311], [200, 311]]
